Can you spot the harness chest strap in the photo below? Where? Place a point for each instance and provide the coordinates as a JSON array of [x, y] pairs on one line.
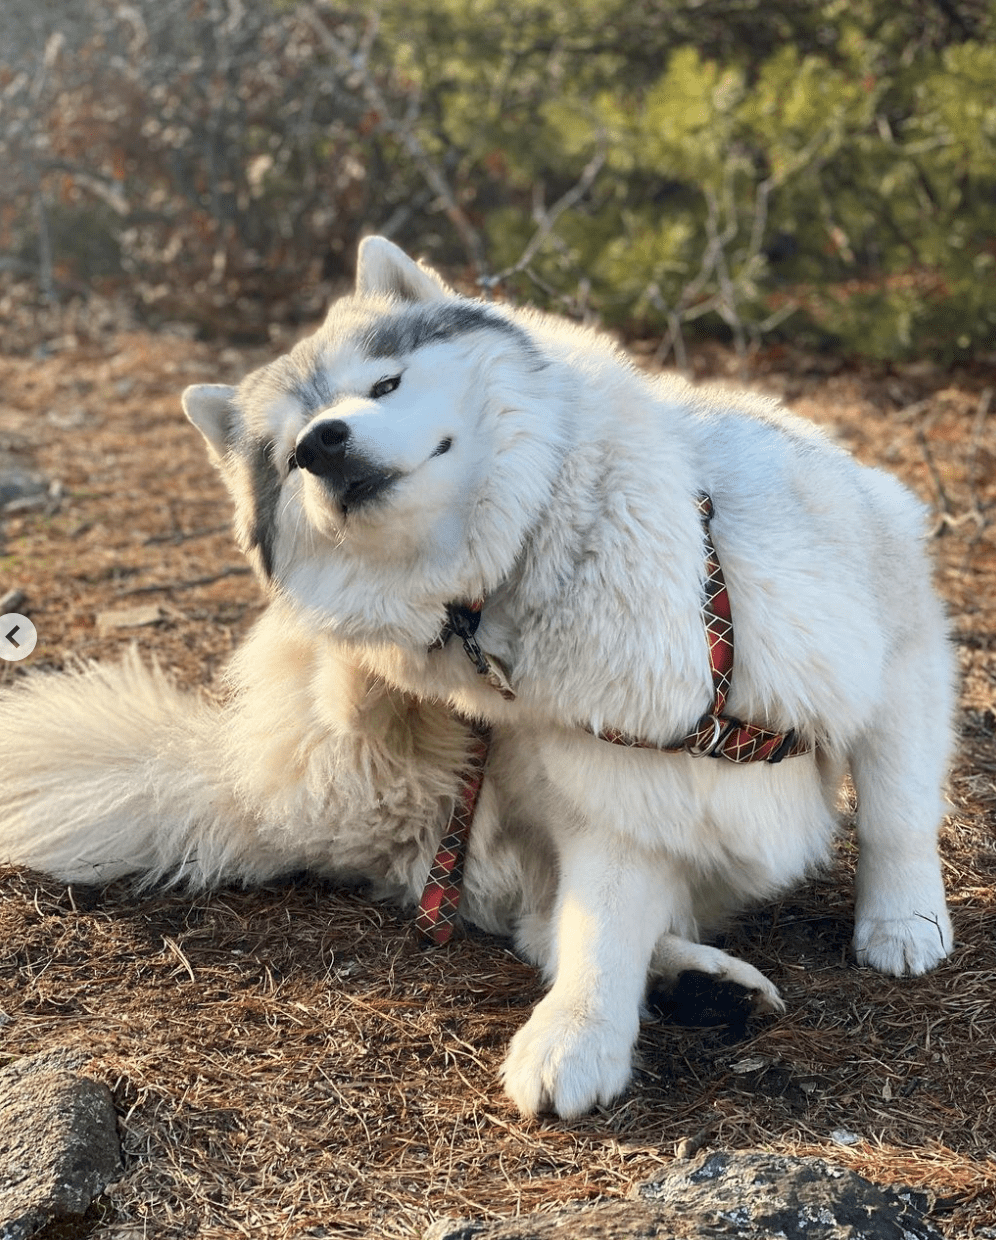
[[716, 734]]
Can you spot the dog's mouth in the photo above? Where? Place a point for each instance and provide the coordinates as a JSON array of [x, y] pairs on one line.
[[356, 491], [361, 491]]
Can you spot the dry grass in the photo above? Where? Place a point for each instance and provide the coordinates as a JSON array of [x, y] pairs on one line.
[[288, 1062]]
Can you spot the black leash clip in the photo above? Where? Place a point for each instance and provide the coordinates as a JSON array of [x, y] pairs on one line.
[[463, 620]]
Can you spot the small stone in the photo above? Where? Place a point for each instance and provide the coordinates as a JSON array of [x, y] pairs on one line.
[[129, 618], [771, 1195], [753, 1063], [21, 487]]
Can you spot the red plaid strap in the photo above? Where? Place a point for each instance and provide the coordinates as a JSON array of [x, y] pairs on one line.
[[437, 910], [716, 734], [716, 615], [720, 737]]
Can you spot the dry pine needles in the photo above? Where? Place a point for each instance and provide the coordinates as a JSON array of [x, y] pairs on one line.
[[288, 1062]]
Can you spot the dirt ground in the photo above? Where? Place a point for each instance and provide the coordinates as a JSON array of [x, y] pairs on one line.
[[286, 1061]]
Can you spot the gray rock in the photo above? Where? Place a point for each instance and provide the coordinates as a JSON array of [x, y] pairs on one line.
[[13, 600], [756, 1196], [20, 486], [608, 1220], [58, 1142], [727, 1196]]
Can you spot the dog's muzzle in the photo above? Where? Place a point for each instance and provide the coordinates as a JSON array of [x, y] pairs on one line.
[[325, 451]]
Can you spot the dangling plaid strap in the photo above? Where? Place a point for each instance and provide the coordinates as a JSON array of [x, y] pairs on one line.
[[716, 615], [437, 910], [716, 734]]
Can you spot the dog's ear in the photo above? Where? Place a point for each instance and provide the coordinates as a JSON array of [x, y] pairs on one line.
[[211, 408], [384, 270]]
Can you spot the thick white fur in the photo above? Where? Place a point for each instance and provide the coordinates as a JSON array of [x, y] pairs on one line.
[[310, 764], [566, 500]]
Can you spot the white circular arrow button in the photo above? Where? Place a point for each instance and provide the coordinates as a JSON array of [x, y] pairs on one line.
[[18, 636]]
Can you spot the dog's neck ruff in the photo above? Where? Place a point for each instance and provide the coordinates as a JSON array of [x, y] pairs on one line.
[[716, 735]]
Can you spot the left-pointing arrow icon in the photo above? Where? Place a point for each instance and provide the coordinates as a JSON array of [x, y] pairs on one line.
[[18, 636]]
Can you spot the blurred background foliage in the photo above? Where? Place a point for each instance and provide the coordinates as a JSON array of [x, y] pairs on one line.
[[823, 170]]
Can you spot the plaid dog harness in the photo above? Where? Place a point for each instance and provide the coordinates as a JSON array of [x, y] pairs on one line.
[[716, 735]]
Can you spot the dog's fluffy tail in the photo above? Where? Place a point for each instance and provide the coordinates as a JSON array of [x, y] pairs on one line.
[[108, 771], [310, 763]]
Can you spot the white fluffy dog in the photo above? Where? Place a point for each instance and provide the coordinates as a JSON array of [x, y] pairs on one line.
[[427, 465]]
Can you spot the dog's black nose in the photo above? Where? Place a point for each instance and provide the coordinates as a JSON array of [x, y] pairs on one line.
[[328, 451], [322, 450], [335, 433]]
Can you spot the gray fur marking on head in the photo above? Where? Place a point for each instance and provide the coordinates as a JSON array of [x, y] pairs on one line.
[[260, 528], [314, 391], [395, 335]]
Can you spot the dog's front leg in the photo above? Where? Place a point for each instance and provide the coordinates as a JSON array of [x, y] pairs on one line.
[[612, 906], [902, 923]]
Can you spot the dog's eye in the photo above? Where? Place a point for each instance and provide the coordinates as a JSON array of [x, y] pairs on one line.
[[444, 445], [292, 462], [383, 386]]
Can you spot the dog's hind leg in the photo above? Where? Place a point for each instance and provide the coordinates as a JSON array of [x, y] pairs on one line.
[[613, 905], [898, 766], [674, 956]]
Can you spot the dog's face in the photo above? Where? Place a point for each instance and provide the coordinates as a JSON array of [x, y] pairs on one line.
[[387, 442]]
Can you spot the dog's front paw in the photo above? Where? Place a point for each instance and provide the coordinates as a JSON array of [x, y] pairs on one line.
[[901, 945], [567, 1062]]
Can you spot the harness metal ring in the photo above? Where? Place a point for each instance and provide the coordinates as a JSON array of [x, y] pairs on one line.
[[703, 751]]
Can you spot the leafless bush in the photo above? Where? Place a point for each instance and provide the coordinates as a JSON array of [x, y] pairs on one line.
[[214, 154]]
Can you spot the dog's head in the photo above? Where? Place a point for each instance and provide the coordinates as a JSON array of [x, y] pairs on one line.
[[403, 443]]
